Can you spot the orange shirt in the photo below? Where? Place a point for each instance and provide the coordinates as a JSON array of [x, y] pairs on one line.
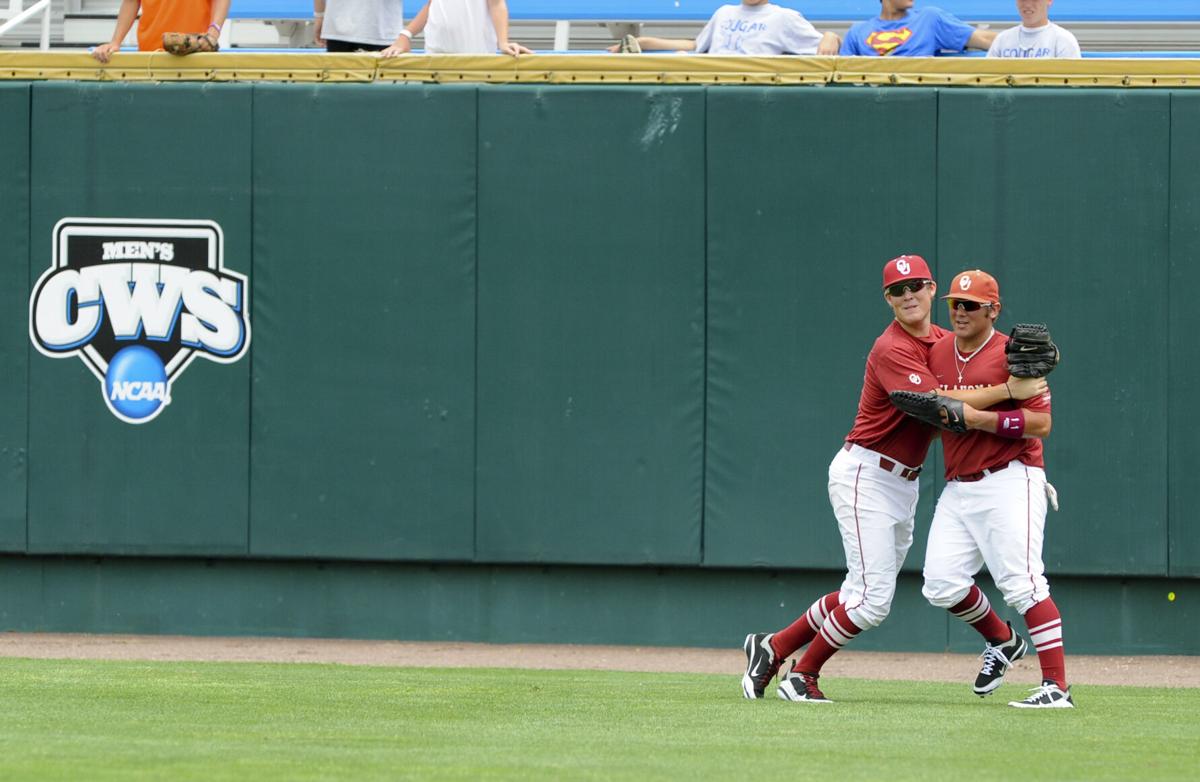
[[171, 16]]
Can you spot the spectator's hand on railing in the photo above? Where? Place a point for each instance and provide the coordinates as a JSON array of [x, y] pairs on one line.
[[400, 46], [106, 50], [317, 39], [830, 44], [513, 48]]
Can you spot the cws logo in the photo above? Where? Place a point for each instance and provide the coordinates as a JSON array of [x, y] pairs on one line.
[[137, 300]]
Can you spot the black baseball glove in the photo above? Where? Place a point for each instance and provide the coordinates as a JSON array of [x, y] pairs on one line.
[[934, 409], [1031, 352]]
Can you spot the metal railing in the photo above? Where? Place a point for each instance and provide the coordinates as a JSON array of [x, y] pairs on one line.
[[17, 15]]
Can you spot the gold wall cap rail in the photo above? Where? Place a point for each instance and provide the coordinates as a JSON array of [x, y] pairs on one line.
[[604, 69]]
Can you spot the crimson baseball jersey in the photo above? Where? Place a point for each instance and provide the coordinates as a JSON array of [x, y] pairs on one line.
[[974, 451], [898, 361]]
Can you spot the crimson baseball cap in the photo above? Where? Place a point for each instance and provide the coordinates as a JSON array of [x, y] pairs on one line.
[[905, 267], [974, 285]]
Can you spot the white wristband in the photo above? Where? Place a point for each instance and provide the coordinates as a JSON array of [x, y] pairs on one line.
[[405, 32], [318, 14]]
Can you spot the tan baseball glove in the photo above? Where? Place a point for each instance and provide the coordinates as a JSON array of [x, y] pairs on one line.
[[189, 43]]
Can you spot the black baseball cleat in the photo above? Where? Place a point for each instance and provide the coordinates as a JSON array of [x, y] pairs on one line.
[[997, 660], [761, 665], [1048, 696], [800, 687]]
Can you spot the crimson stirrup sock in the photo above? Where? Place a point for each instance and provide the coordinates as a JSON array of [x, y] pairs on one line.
[[1045, 630], [976, 610], [804, 629], [837, 631]]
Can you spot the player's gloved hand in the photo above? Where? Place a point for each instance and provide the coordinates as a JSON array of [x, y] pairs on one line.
[[934, 409], [1030, 351], [1052, 495]]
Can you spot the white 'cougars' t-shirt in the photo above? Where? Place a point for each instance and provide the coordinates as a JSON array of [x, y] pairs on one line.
[[757, 29], [1049, 40], [460, 27]]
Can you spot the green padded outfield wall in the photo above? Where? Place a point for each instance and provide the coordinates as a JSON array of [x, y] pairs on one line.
[[805, 204], [507, 339], [591, 324], [176, 485], [662, 606], [1063, 195], [363, 412], [1183, 450], [14, 298]]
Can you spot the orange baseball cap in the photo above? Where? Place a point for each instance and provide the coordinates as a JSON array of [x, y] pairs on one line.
[[905, 267], [974, 285]]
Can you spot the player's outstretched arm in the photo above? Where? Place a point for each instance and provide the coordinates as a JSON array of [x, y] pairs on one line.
[[1017, 424], [946, 412], [1018, 388]]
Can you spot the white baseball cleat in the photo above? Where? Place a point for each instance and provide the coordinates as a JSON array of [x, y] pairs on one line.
[[801, 688], [1048, 696]]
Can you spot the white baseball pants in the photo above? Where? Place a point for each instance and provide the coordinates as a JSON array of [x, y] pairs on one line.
[[875, 510], [998, 521]]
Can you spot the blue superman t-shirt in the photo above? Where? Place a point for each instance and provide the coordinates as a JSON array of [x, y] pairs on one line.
[[921, 33]]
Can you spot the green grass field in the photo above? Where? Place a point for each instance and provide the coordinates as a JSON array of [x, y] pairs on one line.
[[86, 720]]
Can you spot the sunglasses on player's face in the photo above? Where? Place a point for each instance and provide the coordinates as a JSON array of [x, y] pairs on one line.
[[964, 305], [908, 286]]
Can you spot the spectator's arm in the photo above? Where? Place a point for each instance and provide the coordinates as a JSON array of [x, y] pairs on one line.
[[652, 44], [126, 16], [318, 21], [499, 13], [981, 39], [830, 44], [403, 42], [221, 11]]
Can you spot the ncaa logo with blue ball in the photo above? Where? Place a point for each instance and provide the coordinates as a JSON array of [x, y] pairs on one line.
[[137, 301]]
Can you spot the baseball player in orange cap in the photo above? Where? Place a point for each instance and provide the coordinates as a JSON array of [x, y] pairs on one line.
[[993, 508], [873, 489]]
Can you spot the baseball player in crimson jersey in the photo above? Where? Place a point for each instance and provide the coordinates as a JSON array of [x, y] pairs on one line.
[[993, 508], [873, 489]]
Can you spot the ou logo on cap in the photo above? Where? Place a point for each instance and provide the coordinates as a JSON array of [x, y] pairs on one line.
[[964, 282], [902, 266]]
